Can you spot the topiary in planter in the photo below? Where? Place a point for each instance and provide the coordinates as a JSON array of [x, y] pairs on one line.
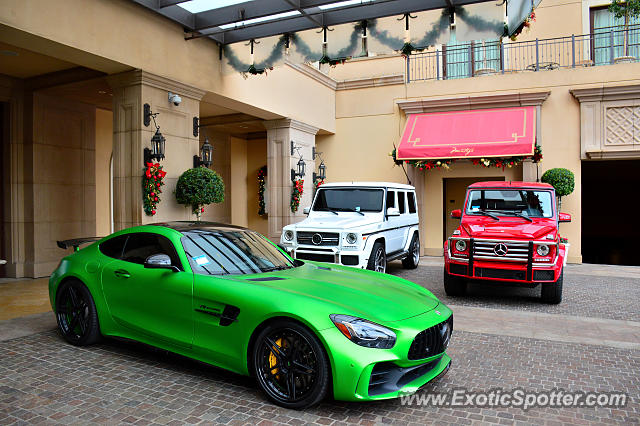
[[562, 180], [199, 187]]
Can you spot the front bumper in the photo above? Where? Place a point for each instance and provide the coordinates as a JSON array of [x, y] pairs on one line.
[[361, 373], [355, 258], [528, 271]]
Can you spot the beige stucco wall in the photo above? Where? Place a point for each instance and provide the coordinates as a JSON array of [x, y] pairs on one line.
[[104, 147]]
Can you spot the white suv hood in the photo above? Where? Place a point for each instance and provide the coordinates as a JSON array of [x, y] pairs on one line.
[[343, 220]]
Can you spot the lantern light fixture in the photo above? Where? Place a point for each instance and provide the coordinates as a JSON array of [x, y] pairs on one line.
[[322, 172], [301, 164], [206, 155], [157, 140]]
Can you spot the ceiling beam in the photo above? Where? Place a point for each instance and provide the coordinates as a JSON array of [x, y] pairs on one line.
[[250, 10], [331, 17], [167, 3]]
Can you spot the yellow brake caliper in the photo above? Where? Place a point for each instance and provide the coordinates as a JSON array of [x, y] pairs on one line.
[[273, 360]]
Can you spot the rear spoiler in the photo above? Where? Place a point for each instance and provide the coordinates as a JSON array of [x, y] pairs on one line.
[[76, 242]]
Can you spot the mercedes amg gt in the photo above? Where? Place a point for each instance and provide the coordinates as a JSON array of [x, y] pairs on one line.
[[229, 297]]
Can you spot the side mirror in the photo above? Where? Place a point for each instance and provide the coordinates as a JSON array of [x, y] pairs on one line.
[[160, 261], [306, 210], [564, 217], [456, 214], [393, 211]]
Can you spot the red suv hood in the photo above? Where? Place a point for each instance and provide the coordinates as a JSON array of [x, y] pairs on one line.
[[507, 227]]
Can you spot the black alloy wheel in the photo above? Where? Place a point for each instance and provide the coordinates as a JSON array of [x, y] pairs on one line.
[[290, 365], [76, 314]]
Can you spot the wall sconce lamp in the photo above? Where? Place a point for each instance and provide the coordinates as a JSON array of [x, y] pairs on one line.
[[322, 169], [322, 172], [157, 141], [206, 155], [301, 164]]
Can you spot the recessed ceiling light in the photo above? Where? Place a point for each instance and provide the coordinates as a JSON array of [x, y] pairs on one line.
[[8, 53], [102, 92]]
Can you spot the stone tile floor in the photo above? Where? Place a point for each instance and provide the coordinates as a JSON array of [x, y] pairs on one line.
[[44, 380]]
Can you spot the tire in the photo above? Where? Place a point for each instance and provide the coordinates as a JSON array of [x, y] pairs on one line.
[[300, 361], [454, 286], [378, 258], [413, 258], [76, 314], [552, 292]]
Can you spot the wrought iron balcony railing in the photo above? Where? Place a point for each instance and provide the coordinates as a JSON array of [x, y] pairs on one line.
[[602, 47]]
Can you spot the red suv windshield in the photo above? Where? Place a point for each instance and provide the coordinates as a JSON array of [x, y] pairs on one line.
[[526, 202]]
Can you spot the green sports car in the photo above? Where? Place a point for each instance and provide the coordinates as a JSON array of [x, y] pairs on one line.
[[229, 297]]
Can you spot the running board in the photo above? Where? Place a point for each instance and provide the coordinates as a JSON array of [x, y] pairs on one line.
[[397, 255]]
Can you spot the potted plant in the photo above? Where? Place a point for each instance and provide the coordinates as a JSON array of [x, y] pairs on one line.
[[562, 180], [199, 187], [625, 9]]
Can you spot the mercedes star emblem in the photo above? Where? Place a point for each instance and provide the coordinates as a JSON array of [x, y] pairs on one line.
[[316, 239], [500, 249]]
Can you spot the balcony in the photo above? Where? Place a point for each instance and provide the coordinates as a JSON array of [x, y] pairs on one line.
[[602, 47]]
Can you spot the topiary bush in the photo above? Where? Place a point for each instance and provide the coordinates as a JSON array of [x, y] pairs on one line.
[[199, 187], [562, 180]]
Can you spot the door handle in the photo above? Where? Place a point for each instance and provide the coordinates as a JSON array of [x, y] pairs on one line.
[[121, 273]]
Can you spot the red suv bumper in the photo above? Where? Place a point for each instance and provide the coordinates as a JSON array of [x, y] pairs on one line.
[[480, 265]]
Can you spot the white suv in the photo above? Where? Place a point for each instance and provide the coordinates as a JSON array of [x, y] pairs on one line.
[[361, 224]]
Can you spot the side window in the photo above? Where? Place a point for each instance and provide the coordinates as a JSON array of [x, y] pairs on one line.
[[113, 247], [144, 244], [391, 199], [401, 204], [411, 199]]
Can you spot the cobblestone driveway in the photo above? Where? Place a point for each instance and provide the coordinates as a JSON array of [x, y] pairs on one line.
[[44, 380]]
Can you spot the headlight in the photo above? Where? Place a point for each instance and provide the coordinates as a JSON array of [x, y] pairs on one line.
[[352, 238], [364, 333], [461, 245], [543, 250], [288, 235]]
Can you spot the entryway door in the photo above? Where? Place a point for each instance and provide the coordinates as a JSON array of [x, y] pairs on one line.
[[454, 192]]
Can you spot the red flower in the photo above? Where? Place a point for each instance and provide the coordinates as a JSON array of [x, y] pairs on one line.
[[158, 185], [148, 173], [153, 212], [155, 199], [202, 210], [153, 194]]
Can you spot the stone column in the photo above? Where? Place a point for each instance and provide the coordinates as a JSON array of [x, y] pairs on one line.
[[280, 161], [417, 180], [131, 90]]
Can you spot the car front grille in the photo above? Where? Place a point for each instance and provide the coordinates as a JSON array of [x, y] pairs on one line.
[[432, 341], [543, 275], [320, 239], [350, 259], [317, 257], [516, 251], [503, 274]]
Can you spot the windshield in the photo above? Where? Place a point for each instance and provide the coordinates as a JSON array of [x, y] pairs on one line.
[[231, 253], [529, 203], [349, 199]]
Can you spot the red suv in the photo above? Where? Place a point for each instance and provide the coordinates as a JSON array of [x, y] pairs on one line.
[[508, 233]]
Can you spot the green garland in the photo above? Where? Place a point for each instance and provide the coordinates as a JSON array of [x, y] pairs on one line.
[[296, 194], [445, 163], [152, 180], [346, 53], [262, 174]]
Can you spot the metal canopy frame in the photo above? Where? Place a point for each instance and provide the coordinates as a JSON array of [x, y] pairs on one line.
[[208, 23]]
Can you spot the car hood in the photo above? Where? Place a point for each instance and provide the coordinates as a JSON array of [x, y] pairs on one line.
[[369, 295], [508, 228], [343, 220]]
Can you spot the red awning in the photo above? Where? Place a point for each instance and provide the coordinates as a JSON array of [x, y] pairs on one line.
[[500, 132]]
